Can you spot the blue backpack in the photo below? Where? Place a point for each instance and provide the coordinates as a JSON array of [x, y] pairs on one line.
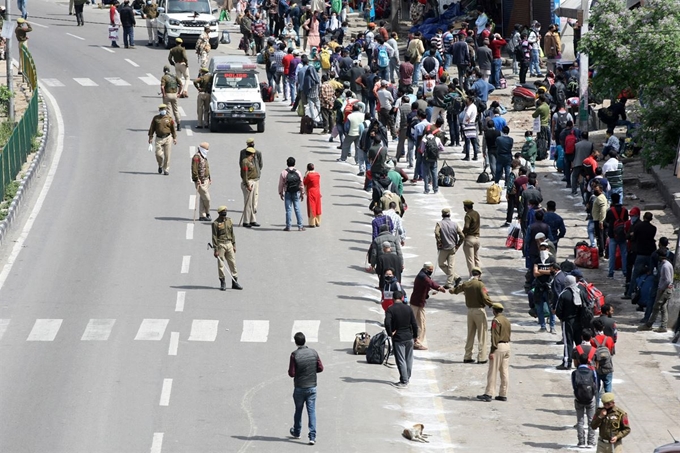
[[383, 57], [559, 160]]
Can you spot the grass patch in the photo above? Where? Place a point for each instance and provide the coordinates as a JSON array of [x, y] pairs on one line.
[[11, 190]]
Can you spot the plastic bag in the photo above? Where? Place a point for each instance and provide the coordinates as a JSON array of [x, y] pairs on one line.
[[151, 148], [113, 33]]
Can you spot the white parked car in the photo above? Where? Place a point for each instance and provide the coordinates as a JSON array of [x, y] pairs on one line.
[[186, 19]]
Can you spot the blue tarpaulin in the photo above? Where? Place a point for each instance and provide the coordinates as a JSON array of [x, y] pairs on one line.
[[429, 27]]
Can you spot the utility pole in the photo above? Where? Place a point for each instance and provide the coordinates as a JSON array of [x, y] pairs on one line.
[[583, 70], [8, 57]]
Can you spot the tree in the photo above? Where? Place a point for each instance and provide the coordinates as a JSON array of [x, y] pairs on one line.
[[638, 50]]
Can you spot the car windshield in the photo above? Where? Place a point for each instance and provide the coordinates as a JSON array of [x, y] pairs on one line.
[[235, 80], [177, 6]]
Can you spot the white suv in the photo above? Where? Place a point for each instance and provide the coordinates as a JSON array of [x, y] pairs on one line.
[[185, 19]]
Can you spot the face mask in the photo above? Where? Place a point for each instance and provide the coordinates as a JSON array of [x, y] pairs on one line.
[[530, 139], [162, 112], [428, 272], [544, 255], [634, 218], [389, 278]]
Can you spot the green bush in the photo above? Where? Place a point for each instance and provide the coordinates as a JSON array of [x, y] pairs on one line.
[[5, 96]]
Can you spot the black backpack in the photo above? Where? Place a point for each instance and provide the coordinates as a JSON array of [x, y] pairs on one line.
[[379, 349], [429, 63], [431, 153], [447, 176], [483, 177], [584, 385], [292, 181]]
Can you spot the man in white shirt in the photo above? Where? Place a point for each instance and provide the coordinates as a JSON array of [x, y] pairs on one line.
[[470, 128], [397, 222], [386, 104]]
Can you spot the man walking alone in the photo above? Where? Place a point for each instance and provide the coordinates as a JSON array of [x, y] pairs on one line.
[[401, 326], [200, 175], [303, 368], [292, 193], [449, 237]]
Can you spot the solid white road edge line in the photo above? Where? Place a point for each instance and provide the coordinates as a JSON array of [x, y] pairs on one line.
[[59, 149], [174, 343], [165, 392], [186, 261], [157, 443], [181, 296]]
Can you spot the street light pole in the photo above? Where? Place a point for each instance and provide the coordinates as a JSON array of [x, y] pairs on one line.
[[583, 70], [10, 71]]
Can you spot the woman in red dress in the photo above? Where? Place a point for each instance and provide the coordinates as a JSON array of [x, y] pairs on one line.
[[313, 190]]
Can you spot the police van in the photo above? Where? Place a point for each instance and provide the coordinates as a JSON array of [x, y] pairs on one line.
[[235, 94], [186, 19]]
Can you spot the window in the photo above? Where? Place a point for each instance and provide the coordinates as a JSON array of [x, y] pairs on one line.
[[189, 6], [235, 80]]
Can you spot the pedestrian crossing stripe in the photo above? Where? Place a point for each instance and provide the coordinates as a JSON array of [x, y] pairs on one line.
[[117, 81], [202, 330], [86, 82], [52, 82]]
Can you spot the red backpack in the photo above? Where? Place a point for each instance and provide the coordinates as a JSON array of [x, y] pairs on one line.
[[595, 297], [570, 143], [591, 355]]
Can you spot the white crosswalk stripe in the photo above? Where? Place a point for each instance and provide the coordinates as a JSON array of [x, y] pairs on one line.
[[203, 330], [150, 79], [98, 330], [255, 331], [309, 327], [52, 82], [349, 329], [117, 81], [4, 323], [152, 329], [86, 82], [44, 330]]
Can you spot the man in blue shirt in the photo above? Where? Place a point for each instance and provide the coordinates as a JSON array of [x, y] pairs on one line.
[[482, 88], [555, 222]]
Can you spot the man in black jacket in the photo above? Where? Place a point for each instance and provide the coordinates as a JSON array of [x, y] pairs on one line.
[[401, 326], [568, 309], [127, 19], [460, 55], [303, 367]]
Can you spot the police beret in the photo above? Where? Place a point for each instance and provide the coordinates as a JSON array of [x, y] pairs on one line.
[[497, 305], [21, 20], [476, 270], [250, 150], [608, 397], [249, 141], [162, 106], [222, 209], [204, 70]]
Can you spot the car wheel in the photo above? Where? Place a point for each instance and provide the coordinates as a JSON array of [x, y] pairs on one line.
[[213, 124], [260, 126]]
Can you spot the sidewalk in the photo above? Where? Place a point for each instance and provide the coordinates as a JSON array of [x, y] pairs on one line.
[[22, 93]]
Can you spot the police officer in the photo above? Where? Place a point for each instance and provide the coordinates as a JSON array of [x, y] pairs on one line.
[[471, 232], [164, 128], [200, 175], [250, 176], [476, 300], [499, 356], [613, 424], [449, 237], [203, 47], [170, 86], [178, 58], [150, 13], [224, 244], [204, 86], [258, 163]]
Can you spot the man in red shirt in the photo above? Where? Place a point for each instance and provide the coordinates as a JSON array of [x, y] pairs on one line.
[[496, 45], [286, 63], [421, 287], [605, 376]]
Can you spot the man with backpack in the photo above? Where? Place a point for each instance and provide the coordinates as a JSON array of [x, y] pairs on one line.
[[401, 326], [568, 309], [382, 54], [581, 151], [560, 119], [584, 383], [292, 193], [604, 350], [616, 219], [430, 147]]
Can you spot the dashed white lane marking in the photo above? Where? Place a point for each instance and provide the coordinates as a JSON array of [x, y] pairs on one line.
[[117, 81], [132, 62], [190, 231], [174, 343], [203, 330], [166, 390], [192, 201], [186, 261], [181, 111], [150, 79], [256, 331], [181, 296], [98, 330], [4, 323], [349, 329], [190, 133], [152, 329], [107, 49], [52, 82], [86, 82], [75, 36], [157, 443], [192, 151], [44, 330], [309, 327], [39, 25]]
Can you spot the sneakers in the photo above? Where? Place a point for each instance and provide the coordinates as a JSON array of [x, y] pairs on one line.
[[644, 327], [582, 445], [505, 225], [562, 367], [312, 441], [293, 435], [399, 385], [485, 397], [468, 361], [661, 330]]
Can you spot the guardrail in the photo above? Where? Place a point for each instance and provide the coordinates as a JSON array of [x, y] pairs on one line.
[[20, 143]]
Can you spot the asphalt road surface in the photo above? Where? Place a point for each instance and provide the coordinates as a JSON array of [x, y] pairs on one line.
[[115, 339]]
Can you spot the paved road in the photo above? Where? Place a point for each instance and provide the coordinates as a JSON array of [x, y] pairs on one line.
[[114, 338]]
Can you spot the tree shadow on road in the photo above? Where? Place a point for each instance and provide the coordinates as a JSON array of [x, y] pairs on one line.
[[352, 380]]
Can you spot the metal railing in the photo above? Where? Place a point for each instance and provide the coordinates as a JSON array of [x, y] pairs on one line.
[[20, 142]]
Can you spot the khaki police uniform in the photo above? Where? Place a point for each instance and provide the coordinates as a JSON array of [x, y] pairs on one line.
[[250, 176], [200, 175], [21, 32], [476, 299], [204, 86], [449, 236], [615, 423], [500, 361], [151, 13], [178, 58], [471, 243], [224, 241], [259, 163], [164, 128], [170, 85]]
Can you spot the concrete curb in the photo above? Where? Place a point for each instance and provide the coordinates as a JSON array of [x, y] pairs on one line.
[[669, 187], [30, 175]]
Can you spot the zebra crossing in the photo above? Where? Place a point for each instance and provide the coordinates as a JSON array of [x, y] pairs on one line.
[[148, 79], [202, 330]]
